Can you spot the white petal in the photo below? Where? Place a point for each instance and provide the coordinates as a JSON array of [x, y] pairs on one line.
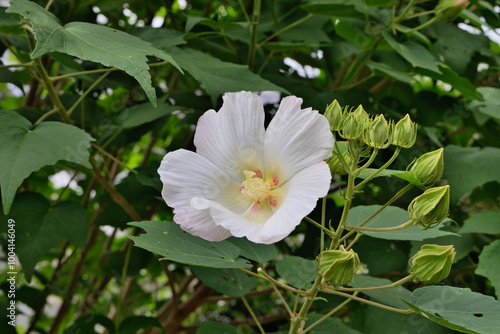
[[200, 223], [302, 193], [233, 137], [296, 139], [186, 174], [238, 225]]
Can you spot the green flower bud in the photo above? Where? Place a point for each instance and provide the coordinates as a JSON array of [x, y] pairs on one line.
[[362, 116], [338, 266], [405, 133], [430, 208], [449, 10], [334, 114], [432, 263], [429, 167], [335, 164], [377, 133]]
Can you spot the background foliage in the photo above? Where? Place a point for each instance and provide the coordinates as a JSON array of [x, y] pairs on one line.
[[80, 142]]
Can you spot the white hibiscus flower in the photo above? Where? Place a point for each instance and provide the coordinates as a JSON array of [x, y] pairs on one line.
[[245, 180]]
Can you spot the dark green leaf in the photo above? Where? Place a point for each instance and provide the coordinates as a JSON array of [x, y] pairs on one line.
[[487, 222], [380, 256], [469, 167], [26, 148], [392, 297], [214, 327], [380, 321], [170, 241], [463, 85], [458, 309], [132, 324], [144, 113], [491, 104], [328, 326], [416, 54], [226, 281], [390, 217], [297, 271], [91, 42], [218, 77], [39, 227], [252, 251], [488, 264]]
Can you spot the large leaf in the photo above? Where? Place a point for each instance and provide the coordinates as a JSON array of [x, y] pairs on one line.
[[170, 241], [390, 217], [297, 271], [218, 77], [226, 281], [487, 222], [91, 42], [491, 104], [132, 324], [393, 297], [458, 309], [488, 264], [469, 167], [214, 327], [416, 54], [26, 148], [381, 256], [257, 252], [380, 321], [39, 227], [328, 326], [144, 113]]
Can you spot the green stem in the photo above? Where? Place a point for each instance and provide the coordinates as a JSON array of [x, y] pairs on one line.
[[109, 155], [381, 229], [254, 317], [323, 211], [80, 99], [406, 10], [297, 323], [375, 288], [253, 33], [387, 164], [428, 23], [362, 300], [322, 228], [291, 25], [329, 314], [368, 163], [389, 202]]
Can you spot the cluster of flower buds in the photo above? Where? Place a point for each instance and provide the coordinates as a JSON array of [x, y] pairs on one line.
[[430, 208], [432, 263], [375, 132], [338, 266]]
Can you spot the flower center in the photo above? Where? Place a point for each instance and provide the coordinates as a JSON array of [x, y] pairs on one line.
[[255, 188]]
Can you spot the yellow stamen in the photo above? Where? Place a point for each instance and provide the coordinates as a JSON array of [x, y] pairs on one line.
[[255, 188]]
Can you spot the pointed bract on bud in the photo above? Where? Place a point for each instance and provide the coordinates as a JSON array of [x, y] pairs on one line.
[[334, 114], [405, 133], [338, 266], [428, 168], [432, 263], [351, 127], [430, 208], [449, 10], [377, 133]]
